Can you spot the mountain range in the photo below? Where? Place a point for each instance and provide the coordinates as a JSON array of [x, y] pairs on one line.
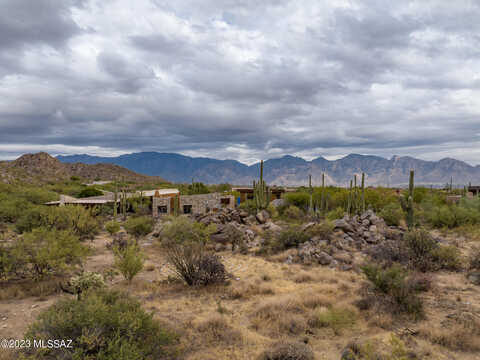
[[290, 170]]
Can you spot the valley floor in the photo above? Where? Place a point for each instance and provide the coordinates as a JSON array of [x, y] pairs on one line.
[[268, 301]]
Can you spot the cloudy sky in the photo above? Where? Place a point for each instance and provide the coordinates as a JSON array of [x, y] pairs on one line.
[[241, 79]]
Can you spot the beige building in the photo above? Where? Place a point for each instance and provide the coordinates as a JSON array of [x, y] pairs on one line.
[[191, 204]]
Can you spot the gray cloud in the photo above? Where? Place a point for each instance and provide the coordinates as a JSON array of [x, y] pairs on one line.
[[240, 78]]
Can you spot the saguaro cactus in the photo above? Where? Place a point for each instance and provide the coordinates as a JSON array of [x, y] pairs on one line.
[[407, 203], [261, 192], [115, 199], [310, 190], [363, 192]]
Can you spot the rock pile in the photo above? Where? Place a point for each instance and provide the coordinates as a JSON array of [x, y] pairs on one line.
[[351, 238]]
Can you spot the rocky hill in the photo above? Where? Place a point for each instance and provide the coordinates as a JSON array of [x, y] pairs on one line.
[[41, 168], [293, 171]]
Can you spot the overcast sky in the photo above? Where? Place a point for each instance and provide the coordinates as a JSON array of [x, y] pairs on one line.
[[241, 79]]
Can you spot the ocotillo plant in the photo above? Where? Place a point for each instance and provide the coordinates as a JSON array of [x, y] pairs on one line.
[[261, 192], [407, 204]]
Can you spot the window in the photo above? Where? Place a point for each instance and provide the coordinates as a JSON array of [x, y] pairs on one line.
[[162, 209], [225, 202], [250, 196], [187, 209]]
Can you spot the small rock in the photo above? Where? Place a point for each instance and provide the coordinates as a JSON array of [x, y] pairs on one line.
[[323, 258], [34, 306], [474, 277], [307, 226]]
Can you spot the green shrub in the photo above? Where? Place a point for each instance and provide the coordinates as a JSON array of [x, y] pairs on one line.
[[323, 229], [12, 209], [104, 325], [298, 199], [420, 245], [182, 229], [129, 261], [392, 285], [336, 213], [249, 206], [77, 219], [293, 213], [392, 214], [86, 281], [292, 237], [43, 251], [336, 318], [89, 192], [139, 226], [112, 227], [447, 257]]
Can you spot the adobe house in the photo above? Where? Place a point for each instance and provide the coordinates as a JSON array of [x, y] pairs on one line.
[[191, 204], [475, 190], [246, 193]]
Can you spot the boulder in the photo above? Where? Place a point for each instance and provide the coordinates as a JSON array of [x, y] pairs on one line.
[[262, 216], [344, 225], [307, 226]]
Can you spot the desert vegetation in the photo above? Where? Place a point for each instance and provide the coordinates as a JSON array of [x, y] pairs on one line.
[[324, 273]]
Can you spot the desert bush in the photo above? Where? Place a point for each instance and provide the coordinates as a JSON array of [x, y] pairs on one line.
[[300, 200], [336, 318], [85, 282], [392, 214], [288, 350], [216, 329], [43, 251], [451, 216], [388, 252], [129, 261], [249, 206], [12, 209], [181, 230], [336, 213], [474, 260], [112, 227], [290, 237], [104, 325], [77, 219], [427, 255], [192, 264], [293, 213], [420, 245], [323, 229], [139, 226], [393, 287], [447, 257], [89, 192]]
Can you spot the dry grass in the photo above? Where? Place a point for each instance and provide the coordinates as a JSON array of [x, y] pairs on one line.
[[458, 337], [215, 329], [25, 289]]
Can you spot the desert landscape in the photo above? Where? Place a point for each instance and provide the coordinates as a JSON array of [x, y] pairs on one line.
[[320, 273]]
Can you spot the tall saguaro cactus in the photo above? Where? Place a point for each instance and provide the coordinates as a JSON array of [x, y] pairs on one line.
[[310, 190], [363, 192], [407, 203], [261, 192], [115, 199], [356, 196]]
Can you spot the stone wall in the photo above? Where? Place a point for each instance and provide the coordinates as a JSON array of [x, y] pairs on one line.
[[196, 204]]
